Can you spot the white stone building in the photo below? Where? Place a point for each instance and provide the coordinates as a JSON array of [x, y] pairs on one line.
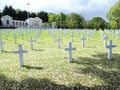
[[29, 23], [34, 22]]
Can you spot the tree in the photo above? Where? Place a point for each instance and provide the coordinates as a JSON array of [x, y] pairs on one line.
[[61, 20], [113, 24], [9, 10], [43, 15], [107, 25], [114, 15], [51, 17], [33, 15], [97, 23], [21, 15], [74, 20]]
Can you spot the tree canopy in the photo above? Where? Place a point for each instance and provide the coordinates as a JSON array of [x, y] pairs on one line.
[[114, 15], [97, 23]]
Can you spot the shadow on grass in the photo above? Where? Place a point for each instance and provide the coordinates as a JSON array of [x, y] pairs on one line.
[[37, 50], [32, 67], [42, 84], [111, 77], [100, 66], [8, 51]]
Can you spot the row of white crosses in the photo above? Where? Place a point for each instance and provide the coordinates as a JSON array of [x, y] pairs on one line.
[[21, 51], [69, 49]]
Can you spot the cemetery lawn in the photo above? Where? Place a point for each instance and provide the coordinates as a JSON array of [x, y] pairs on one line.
[[47, 67]]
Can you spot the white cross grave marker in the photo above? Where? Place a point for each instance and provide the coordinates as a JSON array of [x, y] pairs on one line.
[[31, 42], [1, 45], [15, 38], [110, 46], [58, 41], [117, 35], [20, 52], [69, 49], [105, 40], [83, 41]]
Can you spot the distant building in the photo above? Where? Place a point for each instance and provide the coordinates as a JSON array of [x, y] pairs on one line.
[[34, 22], [29, 23]]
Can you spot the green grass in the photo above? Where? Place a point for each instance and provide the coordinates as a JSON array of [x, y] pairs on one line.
[[47, 68]]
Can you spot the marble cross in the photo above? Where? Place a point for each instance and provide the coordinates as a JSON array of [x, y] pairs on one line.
[[58, 41], [15, 38], [69, 49], [83, 41], [105, 40], [20, 52], [117, 35], [31, 43], [1, 45], [110, 46]]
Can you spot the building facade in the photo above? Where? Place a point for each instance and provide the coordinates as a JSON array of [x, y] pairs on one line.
[[29, 23]]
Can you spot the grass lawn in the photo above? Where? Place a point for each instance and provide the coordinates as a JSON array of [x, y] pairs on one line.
[[47, 67]]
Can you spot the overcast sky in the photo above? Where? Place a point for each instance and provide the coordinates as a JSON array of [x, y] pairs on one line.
[[87, 8]]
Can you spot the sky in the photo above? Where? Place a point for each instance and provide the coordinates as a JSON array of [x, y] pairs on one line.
[[87, 8]]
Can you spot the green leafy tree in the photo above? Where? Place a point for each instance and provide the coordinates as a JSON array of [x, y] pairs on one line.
[[51, 17], [21, 15], [113, 24], [114, 15], [9, 10], [33, 15], [43, 15], [74, 20], [97, 23], [61, 20], [107, 25]]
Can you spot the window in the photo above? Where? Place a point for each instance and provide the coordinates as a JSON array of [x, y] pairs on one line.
[[13, 23], [16, 23], [7, 22], [20, 23]]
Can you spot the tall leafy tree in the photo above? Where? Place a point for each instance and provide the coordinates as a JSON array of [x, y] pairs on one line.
[[97, 23], [9, 10], [52, 17], [21, 15], [114, 15], [33, 15], [74, 20], [61, 20], [43, 15]]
